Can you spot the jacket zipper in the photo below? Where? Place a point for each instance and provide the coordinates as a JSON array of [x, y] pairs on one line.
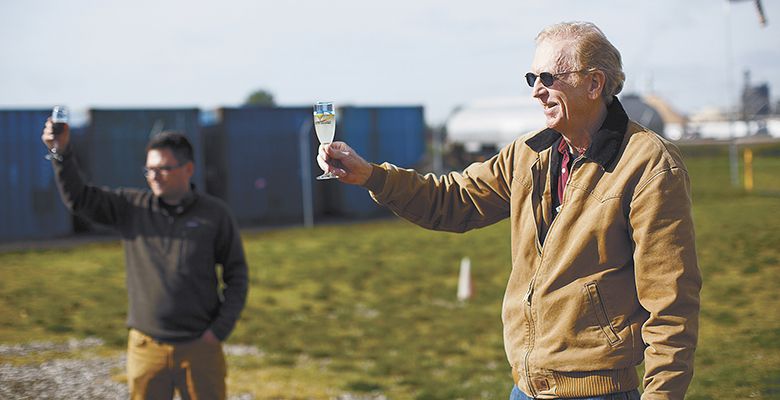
[[527, 309], [530, 292], [539, 246]]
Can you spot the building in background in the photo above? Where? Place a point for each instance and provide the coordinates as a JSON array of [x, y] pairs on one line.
[[756, 106], [752, 117], [489, 124], [675, 122], [477, 130], [641, 111]]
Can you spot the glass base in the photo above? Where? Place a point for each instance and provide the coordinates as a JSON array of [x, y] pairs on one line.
[[327, 175]]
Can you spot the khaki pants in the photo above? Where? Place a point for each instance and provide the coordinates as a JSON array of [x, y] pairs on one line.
[[196, 369]]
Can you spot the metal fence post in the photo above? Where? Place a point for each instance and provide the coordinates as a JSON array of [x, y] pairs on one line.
[[303, 140]]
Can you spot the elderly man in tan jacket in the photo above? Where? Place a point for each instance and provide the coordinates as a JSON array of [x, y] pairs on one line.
[[604, 270]]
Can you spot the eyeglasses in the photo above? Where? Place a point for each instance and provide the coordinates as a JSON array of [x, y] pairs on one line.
[[547, 78], [164, 170]]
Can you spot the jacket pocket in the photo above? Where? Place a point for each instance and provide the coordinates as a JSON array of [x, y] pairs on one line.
[[197, 254], [600, 311]]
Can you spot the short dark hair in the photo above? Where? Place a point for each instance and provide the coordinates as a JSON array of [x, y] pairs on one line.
[[176, 142]]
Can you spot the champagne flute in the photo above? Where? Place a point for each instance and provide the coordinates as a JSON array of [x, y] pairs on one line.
[[59, 118], [325, 126]]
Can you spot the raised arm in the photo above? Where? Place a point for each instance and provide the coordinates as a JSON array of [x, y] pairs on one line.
[[456, 202], [99, 205]]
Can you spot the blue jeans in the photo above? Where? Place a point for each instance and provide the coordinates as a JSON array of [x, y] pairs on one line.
[[517, 394]]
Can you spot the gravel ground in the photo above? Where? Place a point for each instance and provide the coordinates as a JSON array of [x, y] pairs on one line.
[[60, 378], [87, 379]]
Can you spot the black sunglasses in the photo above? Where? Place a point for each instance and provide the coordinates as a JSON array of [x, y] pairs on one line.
[[548, 78]]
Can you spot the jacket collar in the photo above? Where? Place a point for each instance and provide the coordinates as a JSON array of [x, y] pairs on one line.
[[180, 208], [605, 143]]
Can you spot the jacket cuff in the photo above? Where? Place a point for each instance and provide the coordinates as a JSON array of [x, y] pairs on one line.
[[220, 332], [376, 181], [59, 156]]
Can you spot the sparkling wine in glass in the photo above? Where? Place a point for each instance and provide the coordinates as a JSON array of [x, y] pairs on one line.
[[325, 126]]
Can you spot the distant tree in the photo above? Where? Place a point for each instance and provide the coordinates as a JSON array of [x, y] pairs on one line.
[[260, 97]]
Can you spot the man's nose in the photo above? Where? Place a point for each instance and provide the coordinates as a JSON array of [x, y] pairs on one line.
[[538, 88]]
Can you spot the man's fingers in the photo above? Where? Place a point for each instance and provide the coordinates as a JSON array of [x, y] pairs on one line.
[[337, 150], [339, 159], [330, 164], [48, 128], [325, 165]]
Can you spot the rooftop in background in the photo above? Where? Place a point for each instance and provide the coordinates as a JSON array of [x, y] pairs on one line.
[[497, 121]]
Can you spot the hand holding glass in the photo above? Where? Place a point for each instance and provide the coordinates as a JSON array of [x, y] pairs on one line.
[[325, 126], [59, 118]]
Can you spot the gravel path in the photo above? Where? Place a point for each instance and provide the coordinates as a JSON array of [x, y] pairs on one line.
[[88, 378], [60, 378]]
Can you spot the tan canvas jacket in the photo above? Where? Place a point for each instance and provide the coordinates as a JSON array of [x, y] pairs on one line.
[[611, 281]]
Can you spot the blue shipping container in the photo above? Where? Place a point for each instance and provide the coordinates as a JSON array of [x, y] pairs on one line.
[[30, 207], [257, 170], [379, 134], [117, 138]]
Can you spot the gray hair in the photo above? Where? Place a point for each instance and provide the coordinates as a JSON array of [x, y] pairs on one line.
[[591, 49]]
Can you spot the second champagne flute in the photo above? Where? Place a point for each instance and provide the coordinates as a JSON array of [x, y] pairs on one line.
[[325, 126]]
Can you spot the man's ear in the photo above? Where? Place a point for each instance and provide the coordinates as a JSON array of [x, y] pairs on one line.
[[189, 168], [596, 82]]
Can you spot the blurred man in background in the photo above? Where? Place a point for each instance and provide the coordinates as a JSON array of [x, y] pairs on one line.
[[604, 269], [174, 237]]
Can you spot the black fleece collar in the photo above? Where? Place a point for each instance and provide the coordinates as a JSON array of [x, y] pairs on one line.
[[605, 143], [187, 202]]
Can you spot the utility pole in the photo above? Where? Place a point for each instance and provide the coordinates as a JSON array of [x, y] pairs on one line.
[[733, 154]]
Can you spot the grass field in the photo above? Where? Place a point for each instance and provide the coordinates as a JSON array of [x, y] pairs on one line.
[[371, 308]]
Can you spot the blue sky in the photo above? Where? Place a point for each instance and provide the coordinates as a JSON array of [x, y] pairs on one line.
[[436, 53]]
